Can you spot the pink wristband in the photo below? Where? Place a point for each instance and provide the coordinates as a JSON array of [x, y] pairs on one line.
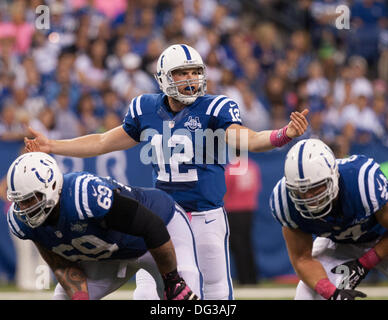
[[279, 138], [80, 295], [325, 288], [370, 259]]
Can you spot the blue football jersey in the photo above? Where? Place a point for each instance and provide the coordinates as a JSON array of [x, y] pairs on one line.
[[363, 190], [79, 233], [188, 163]]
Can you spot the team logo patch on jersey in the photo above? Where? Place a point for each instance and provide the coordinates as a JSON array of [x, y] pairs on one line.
[[193, 124], [78, 227]]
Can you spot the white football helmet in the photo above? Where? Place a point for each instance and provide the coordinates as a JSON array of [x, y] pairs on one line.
[[311, 164], [34, 178], [180, 56]]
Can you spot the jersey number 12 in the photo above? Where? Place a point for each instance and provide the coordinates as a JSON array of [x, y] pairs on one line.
[[176, 158]]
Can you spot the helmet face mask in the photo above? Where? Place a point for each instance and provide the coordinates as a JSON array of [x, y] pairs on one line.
[[312, 178], [34, 185], [181, 57], [31, 208], [318, 204]]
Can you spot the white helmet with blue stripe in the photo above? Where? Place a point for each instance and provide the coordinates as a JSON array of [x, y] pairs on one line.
[[34, 183], [180, 56], [311, 173]]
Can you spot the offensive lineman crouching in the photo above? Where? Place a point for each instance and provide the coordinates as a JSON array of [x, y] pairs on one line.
[[95, 233], [344, 203]]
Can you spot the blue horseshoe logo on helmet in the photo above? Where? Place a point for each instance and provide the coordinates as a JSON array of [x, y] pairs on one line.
[[39, 176]]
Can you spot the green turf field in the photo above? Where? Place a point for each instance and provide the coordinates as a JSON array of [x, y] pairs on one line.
[[264, 291]]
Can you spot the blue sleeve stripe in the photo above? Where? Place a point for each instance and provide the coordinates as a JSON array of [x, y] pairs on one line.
[[282, 208], [131, 109], [219, 107], [271, 205], [286, 210], [212, 104], [14, 232], [85, 198], [371, 185], [14, 226], [138, 108], [135, 104], [77, 195], [277, 205], [362, 187], [367, 191], [11, 227]]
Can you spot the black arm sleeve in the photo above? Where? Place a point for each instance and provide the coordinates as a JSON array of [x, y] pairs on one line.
[[129, 216]]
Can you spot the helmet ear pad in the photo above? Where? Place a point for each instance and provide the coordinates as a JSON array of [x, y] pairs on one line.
[[177, 57], [310, 164], [34, 178]]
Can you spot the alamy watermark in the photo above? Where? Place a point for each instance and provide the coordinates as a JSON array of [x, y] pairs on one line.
[[42, 21], [43, 277], [345, 272], [342, 20], [209, 147]]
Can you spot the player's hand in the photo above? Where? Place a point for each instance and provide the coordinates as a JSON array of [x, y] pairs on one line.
[[354, 272], [180, 291], [175, 288], [298, 124], [347, 294], [39, 143]]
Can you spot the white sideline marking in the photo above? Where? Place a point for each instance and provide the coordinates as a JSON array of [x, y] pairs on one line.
[[241, 293]]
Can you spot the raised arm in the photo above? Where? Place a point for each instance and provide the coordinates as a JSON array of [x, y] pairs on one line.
[[85, 146], [68, 274], [244, 138]]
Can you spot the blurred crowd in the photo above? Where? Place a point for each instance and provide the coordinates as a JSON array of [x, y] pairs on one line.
[[271, 56]]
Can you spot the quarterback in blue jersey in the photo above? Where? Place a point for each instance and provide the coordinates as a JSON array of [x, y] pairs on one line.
[[344, 204], [95, 233], [185, 130]]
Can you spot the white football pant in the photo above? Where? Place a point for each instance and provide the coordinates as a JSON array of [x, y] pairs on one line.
[[211, 233], [106, 276], [332, 254]]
